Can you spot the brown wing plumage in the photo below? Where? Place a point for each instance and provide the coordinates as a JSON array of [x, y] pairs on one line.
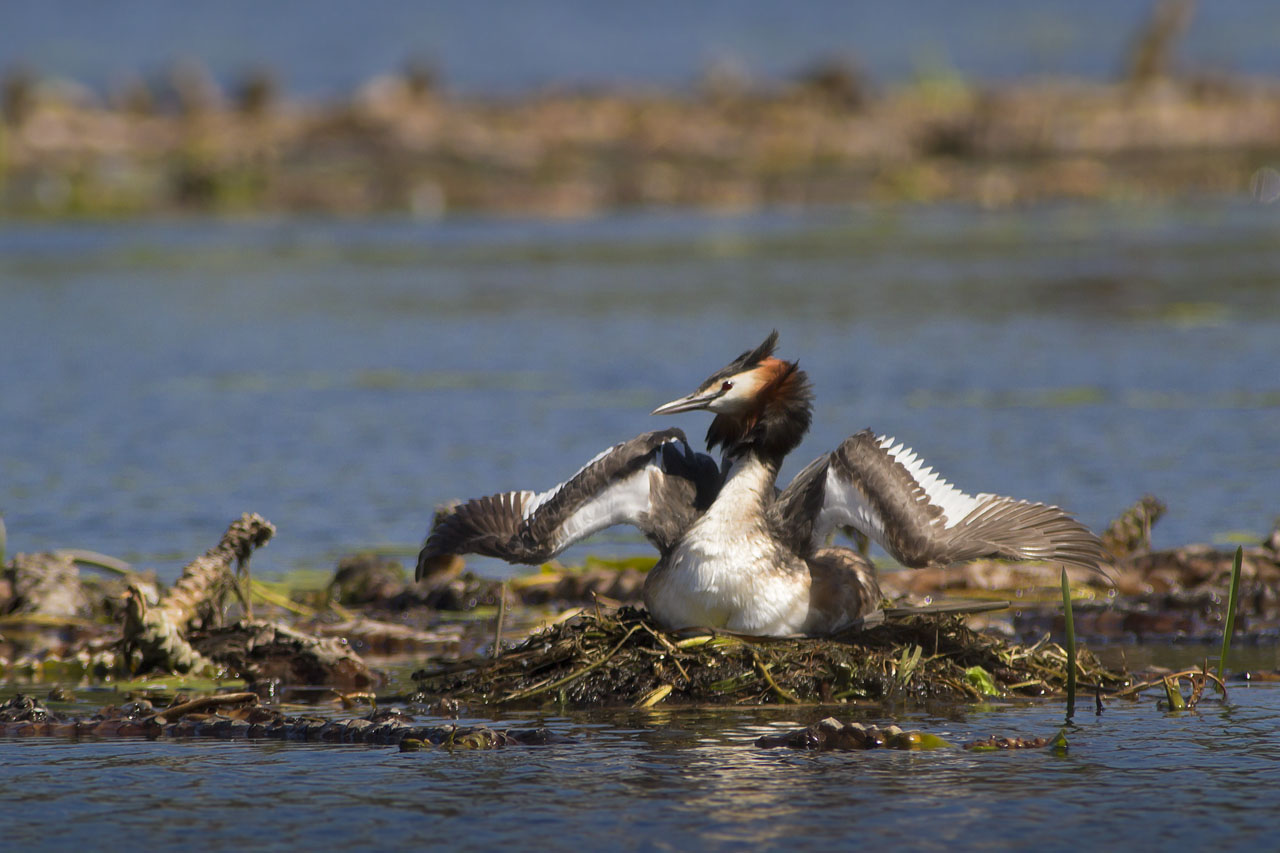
[[485, 526], [654, 481], [843, 590], [1019, 530], [884, 490]]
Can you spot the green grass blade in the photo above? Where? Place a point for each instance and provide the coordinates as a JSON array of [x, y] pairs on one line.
[[1071, 645], [1232, 600]]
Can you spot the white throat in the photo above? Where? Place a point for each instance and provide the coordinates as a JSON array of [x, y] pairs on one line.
[[741, 501]]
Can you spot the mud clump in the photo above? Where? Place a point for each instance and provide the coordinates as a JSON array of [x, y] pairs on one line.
[[263, 652], [366, 579]]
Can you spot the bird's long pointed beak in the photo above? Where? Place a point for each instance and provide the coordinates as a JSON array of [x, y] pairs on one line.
[[691, 403]]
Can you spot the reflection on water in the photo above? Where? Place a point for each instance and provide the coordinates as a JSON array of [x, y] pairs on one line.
[[343, 378], [1133, 778]]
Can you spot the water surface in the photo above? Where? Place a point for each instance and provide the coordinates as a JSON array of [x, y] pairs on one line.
[[344, 378], [1133, 778]]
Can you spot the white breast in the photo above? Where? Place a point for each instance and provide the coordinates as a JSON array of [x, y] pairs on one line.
[[728, 572]]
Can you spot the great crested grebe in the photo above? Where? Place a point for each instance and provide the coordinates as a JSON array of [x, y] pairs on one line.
[[735, 553]]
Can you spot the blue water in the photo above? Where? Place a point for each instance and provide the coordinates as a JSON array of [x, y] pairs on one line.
[[321, 48], [1133, 779], [344, 378]]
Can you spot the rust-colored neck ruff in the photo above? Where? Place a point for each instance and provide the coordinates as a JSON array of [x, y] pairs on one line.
[[775, 425]]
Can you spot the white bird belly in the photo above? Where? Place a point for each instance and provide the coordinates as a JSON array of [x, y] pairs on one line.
[[738, 582], [728, 572]]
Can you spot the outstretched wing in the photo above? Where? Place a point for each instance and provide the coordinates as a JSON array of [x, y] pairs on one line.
[[884, 490], [654, 481]]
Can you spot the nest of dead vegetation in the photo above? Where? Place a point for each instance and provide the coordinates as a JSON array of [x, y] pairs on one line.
[[624, 659]]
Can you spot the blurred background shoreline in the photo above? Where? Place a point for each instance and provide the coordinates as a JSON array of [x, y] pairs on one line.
[[717, 117]]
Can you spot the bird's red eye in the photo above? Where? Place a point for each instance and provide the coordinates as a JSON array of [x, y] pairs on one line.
[[726, 386]]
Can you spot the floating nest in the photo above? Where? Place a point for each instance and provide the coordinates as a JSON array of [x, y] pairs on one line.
[[622, 658]]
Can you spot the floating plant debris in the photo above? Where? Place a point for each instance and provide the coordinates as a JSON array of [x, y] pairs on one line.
[[994, 743], [830, 734], [240, 716]]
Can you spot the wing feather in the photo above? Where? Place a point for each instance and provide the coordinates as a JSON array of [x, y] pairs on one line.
[[882, 488], [655, 482]]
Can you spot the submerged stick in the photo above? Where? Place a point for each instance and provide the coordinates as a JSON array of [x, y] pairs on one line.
[[176, 711], [98, 561], [1232, 601], [1071, 645], [1174, 677]]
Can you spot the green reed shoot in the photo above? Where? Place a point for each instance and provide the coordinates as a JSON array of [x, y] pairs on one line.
[[1071, 645], [1232, 600]]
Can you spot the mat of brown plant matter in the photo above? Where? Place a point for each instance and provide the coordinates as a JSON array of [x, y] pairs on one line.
[[622, 658]]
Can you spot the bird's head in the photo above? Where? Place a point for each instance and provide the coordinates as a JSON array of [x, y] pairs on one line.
[[752, 391]]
